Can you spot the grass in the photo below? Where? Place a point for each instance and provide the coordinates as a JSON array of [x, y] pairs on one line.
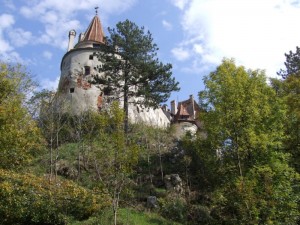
[[127, 216]]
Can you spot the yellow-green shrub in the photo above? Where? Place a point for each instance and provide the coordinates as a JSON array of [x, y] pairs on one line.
[[27, 199]]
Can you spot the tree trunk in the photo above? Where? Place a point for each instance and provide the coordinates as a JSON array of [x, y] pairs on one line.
[[116, 205], [51, 158], [125, 103], [160, 164]]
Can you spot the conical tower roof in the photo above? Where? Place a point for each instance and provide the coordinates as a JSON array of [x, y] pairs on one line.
[[95, 31]]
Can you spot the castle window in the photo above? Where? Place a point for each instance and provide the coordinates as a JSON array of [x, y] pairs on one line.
[[72, 90], [87, 70], [91, 57], [96, 45]]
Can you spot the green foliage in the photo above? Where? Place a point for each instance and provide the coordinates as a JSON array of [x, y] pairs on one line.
[[174, 208], [265, 195], [114, 155], [126, 216], [289, 91], [292, 64], [134, 217], [243, 119], [27, 199], [292, 128], [19, 135], [253, 183], [119, 154], [199, 214]]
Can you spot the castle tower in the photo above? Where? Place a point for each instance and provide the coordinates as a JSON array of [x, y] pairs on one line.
[[78, 68]]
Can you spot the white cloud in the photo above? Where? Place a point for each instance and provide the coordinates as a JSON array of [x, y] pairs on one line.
[[167, 25], [6, 20], [50, 84], [54, 12], [4, 46], [47, 55], [13, 56], [255, 33], [180, 3], [19, 37], [198, 49], [180, 54]]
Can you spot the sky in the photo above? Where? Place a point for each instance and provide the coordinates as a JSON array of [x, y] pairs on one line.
[[193, 35]]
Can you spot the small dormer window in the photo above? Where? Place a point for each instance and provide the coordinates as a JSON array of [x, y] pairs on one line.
[[87, 70]]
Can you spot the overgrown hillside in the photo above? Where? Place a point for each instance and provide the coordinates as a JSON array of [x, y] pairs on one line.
[[61, 168]]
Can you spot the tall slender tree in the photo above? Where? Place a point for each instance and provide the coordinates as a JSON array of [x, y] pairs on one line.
[[19, 134], [289, 90], [132, 70]]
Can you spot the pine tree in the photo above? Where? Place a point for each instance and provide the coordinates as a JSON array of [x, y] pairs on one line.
[[132, 70]]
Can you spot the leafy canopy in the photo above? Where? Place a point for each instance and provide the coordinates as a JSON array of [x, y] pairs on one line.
[[19, 134], [244, 126], [289, 91]]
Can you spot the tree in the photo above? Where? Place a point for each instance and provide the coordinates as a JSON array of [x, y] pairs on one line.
[[292, 64], [115, 155], [289, 90], [244, 126], [19, 135], [292, 128], [50, 110], [132, 70]]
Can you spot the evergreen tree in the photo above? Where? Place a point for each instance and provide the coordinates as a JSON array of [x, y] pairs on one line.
[[132, 70], [292, 64]]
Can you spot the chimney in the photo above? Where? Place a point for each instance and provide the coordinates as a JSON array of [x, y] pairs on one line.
[[72, 35], [81, 36], [193, 106], [173, 107]]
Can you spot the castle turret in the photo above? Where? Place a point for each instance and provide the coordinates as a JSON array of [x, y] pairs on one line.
[[72, 35]]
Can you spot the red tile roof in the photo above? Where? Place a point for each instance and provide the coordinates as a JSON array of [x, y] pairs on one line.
[[94, 31], [183, 111]]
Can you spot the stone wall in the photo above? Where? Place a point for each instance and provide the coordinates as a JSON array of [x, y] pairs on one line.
[[75, 88]]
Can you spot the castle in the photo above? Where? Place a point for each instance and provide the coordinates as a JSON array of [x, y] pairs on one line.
[[78, 68]]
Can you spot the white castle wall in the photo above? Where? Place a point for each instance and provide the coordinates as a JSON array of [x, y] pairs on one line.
[[81, 95], [74, 85]]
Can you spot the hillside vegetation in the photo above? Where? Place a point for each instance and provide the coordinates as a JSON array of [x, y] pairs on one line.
[[61, 168]]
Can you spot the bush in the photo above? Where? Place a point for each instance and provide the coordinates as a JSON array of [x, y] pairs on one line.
[[174, 209], [199, 214], [27, 199]]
